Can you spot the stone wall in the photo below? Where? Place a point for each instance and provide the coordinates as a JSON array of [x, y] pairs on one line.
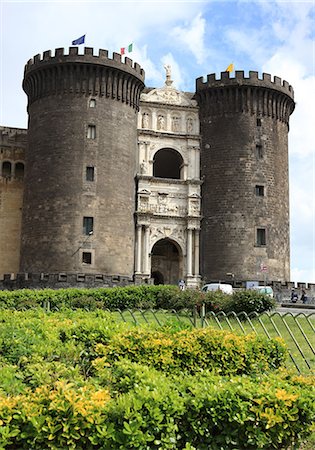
[[12, 149], [244, 166], [61, 280], [82, 113]]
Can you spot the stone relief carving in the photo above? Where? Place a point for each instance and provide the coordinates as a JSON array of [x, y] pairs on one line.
[[174, 231], [169, 95]]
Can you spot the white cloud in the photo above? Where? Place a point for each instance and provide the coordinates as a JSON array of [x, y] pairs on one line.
[[249, 42], [299, 275], [192, 37]]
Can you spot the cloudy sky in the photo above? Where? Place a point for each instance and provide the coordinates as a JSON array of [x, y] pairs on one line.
[[195, 38]]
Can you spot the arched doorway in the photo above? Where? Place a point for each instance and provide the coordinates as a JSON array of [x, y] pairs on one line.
[[166, 262], [157, 277]]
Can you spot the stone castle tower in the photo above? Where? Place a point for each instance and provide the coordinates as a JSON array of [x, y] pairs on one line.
[[244, 164], [82, 127], [141, 182]]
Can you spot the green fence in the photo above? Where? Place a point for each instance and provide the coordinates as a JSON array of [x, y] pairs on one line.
[[298, 331]]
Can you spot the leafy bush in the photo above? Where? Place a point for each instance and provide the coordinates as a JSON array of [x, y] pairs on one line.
[[77, 380], [248, 301], [251, 301], [143, 297], [153, 411], [192, 351]]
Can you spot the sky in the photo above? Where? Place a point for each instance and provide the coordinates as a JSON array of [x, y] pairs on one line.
[[196, 38]]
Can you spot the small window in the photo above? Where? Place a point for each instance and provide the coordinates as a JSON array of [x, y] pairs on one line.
[[261, 236], [19, 170], [6, 169], [259, 190], [259, 151], [91, 134], [87, 225], [89, 174], [258, 122], [92, 103], [87, 257]]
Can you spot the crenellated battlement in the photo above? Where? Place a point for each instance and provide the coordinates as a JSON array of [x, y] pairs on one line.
[[83, 74], [73, 56], [240, 79], [263, 97]]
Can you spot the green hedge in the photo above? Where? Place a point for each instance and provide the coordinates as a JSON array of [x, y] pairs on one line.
[[78, 380], [144, 297], [200, 412], [192, 351]]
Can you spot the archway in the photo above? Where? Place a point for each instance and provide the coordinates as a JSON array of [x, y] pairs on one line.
[[157, 277], [168, 163], [166, 262]]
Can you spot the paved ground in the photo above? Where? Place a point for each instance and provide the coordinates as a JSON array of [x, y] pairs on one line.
[[295, 311]]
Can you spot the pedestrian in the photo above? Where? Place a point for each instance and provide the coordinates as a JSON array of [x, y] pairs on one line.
[[181, 285], [294, 296], [303, 296]]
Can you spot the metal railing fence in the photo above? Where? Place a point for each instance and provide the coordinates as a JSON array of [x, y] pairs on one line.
[[297, 330]]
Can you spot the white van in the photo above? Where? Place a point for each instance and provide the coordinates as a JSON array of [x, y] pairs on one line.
[[225, 288]]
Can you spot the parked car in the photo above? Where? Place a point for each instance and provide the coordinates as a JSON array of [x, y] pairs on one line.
[[226, 288], [264, 290]]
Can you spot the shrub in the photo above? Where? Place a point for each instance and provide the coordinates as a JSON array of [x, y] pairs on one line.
[[250, 301], [62, 416], [76, 380], [143, 297], [153, 411], [191, 351]]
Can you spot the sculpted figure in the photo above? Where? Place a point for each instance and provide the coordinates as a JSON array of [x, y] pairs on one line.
[[175, 123], [168, 80], [161, 122], [145, 120], [190, 125]]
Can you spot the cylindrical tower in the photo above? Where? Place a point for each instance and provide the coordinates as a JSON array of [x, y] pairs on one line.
[[244, 164], [79, 194]]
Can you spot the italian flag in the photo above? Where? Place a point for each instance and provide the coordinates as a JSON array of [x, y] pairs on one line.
[[124, 50]]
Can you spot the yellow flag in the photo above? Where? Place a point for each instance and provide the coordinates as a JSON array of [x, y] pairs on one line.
[[230, 68]]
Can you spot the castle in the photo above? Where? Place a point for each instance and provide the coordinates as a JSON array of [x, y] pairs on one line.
[[152, 184]]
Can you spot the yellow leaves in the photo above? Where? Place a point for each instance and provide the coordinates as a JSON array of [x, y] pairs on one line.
[[272, 417], [287, 398], [100, 397]]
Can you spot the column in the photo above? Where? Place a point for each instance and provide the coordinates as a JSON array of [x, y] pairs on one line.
[[146, 154], [196, 253], [138, 247], [146, 269], [189, 252], [192, 163], [197, 163], [154, 121]]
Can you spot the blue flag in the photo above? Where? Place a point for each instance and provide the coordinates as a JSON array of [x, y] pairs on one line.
[[79, 41]]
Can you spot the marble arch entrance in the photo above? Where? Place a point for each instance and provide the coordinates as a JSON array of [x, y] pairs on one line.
[[166, 262]]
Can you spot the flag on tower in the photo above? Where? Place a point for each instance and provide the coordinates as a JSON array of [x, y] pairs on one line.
[[124, 50], [79, 41], [230, 68]]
